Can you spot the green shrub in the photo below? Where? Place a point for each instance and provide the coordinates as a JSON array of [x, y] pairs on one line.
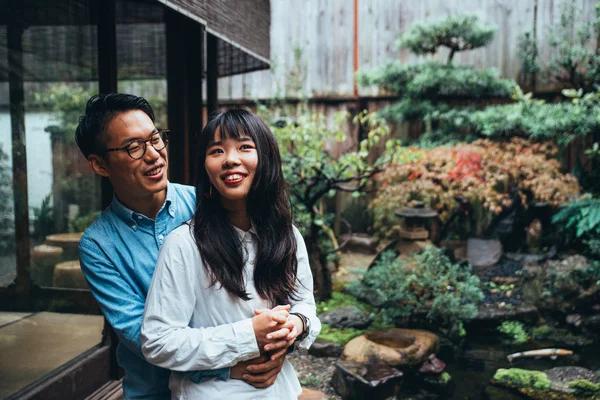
[[514, 332], [523, 378], [426, 282], [80, 224]]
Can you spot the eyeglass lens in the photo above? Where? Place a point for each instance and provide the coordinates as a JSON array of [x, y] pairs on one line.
[[137, 149]]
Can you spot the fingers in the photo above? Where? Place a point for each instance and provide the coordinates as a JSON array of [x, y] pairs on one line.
[[278, 334], [279, 344], [280, 317], [263, 375], [276, 308], [261, 368], [279, 354], [261, 385], [292, 335]]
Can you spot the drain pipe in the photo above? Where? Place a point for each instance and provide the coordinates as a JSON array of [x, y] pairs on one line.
[[355, 48]]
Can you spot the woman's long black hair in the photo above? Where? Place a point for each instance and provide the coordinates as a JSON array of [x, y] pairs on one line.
[[268, 204]]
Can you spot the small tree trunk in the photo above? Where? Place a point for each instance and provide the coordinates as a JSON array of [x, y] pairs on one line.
[[318, 265]]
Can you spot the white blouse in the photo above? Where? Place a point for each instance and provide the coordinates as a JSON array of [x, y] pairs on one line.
[[189, 325]]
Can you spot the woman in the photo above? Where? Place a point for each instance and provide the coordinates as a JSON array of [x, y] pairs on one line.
[[220, 289]]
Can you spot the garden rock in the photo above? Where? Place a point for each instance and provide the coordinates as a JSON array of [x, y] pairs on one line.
[[593, 323], [324, 348], [432, 365], [370, 380], [349, 316], [529, 257], [358, 243], [396, 347], [483, 253], [561, 376], [489, 318], [309, 394]]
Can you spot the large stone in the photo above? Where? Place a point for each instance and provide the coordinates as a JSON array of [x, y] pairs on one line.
[[309, 394], [349, 316], [483, 252], [324, 348], [43, 260], [396, 347], [370, 380], [561, 376], [68, 274], [357, 243]]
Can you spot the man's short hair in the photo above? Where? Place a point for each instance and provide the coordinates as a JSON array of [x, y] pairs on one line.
[[99, 111]]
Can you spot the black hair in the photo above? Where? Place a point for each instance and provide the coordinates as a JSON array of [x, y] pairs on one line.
[[268, 206], [99, 111]]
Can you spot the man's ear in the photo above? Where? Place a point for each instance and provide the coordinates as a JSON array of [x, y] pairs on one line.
[[98, 165]]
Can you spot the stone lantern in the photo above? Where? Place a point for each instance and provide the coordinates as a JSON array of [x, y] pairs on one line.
[[415, 221]]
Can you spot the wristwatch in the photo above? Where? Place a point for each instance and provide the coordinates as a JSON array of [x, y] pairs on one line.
[[305, 326]]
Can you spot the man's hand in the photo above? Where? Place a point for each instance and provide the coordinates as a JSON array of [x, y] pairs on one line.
[[260, 372]]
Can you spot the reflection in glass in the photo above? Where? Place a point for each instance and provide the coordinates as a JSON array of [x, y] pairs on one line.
[[58, 73]]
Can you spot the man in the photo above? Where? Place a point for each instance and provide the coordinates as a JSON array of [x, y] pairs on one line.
[[119, 250]]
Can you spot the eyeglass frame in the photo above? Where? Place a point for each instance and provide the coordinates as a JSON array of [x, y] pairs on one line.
[[164, 133]]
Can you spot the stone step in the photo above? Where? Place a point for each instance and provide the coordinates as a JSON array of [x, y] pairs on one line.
[[310, 394]]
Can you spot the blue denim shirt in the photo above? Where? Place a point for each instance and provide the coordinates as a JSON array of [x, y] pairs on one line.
[[118, 254]]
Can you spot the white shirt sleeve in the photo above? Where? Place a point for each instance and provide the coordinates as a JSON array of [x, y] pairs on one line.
[[167, 339], [306, 305]]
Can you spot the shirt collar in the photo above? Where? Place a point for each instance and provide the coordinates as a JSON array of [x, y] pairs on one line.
[[128, 215], [243, 235]]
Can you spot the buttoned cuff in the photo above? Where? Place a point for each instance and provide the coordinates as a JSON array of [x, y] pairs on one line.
[[247, 346]]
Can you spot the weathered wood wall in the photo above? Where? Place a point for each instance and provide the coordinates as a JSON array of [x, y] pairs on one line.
[[312, 42]]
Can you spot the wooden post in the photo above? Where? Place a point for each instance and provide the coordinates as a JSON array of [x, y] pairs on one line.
[[184, 92], [212, 73], [19, 162], [107, 67]]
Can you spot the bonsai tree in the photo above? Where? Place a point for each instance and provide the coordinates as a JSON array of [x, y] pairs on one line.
[[425, 91], [314, 174]]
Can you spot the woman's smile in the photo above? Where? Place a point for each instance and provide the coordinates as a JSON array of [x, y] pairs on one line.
[[231, 164]]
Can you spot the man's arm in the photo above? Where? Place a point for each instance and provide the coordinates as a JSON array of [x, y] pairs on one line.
[[122, 307]]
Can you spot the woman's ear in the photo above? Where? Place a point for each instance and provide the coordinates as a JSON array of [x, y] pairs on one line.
[[98, 165]]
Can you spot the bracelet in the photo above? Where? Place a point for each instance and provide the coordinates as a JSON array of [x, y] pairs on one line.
[[305, 327]]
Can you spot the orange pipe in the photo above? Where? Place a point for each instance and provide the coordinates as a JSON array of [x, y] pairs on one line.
[[355, 47]]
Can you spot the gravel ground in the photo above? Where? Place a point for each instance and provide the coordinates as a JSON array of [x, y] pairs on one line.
[[315, 372]]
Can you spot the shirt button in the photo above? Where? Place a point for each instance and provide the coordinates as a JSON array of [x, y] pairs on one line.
[[252, 261], [139, 217], [161, 237], [134, 227]]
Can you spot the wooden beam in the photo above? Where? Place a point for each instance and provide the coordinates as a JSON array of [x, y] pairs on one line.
[[107, 66], [184, 92], [212, 73]]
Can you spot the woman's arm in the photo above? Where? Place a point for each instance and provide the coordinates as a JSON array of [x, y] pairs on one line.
[[306, 305], [167, 340]]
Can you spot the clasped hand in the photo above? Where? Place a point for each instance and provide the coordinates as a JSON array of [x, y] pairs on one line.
[[275, 331]]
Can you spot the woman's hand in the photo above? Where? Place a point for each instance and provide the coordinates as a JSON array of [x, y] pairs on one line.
[[271, 325]]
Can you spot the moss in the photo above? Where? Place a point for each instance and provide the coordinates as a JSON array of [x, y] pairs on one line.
[[583, 387], [445, 377], [514, 332], [542, 332], [523, 378], [339, 300], [337, 335]]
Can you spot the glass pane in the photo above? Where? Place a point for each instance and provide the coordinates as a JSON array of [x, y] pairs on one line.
[[54, 65], [141, 54], [8, 265]]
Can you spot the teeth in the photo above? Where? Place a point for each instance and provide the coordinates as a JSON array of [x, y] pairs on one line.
[[233, 177], [153, 171]]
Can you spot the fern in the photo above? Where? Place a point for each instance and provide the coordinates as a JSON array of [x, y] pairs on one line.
[[580, 221]]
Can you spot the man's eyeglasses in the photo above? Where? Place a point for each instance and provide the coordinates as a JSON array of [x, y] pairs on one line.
[[137, 148]]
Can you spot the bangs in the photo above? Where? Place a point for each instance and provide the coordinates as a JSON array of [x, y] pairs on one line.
[[231, 126]]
